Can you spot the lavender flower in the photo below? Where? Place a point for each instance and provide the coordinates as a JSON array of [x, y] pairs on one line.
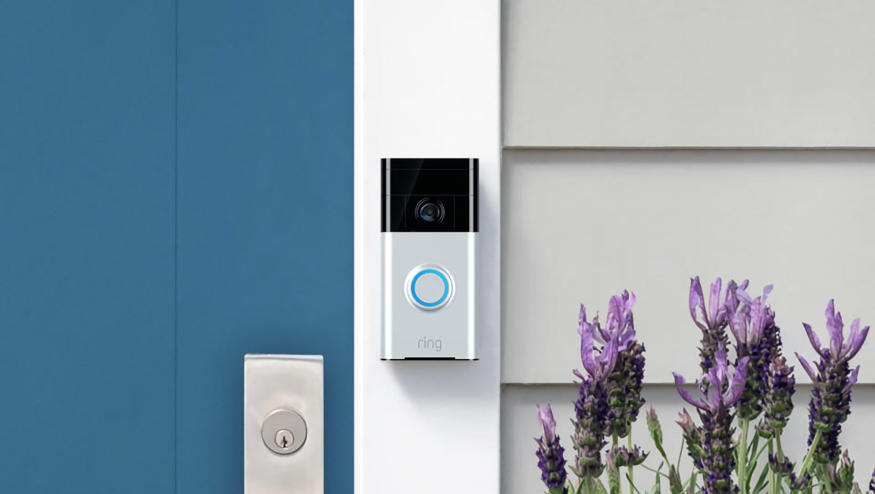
[[551, 455], [831, 396], [771, 336], [613, 474], [781, 384], [714, 382], [598, 363], [713, 320], [786, 468], [622, 456], [748, 325], [778, 399], [720, 392], [840, 478], [591, 409], [692, 437], [624, 384], [654, 427], [620, 320], [872, 483]]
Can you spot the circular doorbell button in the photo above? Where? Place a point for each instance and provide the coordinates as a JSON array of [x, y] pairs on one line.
[[284, 431], [429, 287]]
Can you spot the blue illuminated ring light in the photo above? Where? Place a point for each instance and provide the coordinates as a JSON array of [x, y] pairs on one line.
[[445, 296]]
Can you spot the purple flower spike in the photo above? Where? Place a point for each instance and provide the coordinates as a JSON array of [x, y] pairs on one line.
[[833, 379], [720, 391], [840, 348], [808, 369], [598, 363], [680, 381], [852, 379], [548, 423], [714, 455], [756, 337], [618, 363], [551, 455], [712, 321], [715, 315], [749, 322], [778, 400], [620, 321], [812, 337], [611, 381]]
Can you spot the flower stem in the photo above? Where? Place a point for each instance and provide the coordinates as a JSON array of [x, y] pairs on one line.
[[780, 449], [772, 483], [742, 456], [616, 440], [631, 477], [806, 463], [588, 485], [680, 452], [692, 483]]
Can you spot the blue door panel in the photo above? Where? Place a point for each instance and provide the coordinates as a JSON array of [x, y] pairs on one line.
[[175, 191], [265, 219], [87, 247]]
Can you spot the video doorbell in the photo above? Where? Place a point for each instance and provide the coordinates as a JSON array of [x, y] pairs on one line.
[[429, 230]]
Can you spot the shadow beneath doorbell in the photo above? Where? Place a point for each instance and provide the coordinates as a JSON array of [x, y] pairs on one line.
[[426, 381]]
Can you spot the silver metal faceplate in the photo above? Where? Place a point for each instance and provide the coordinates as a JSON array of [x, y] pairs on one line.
[[417, 321]]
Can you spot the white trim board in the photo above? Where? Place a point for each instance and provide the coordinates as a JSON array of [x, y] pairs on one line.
[[427, 84]]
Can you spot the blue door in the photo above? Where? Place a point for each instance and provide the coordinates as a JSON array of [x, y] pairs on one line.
[[175, 191]]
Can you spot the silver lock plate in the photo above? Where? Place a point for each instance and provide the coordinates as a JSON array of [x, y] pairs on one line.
[[283, 424]]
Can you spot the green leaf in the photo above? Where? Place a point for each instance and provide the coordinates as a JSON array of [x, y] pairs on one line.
[[752, 462], [691, 486], [632, 484], [753, 445], [675, 484], [657, 485], [761, 483], [751, 465]]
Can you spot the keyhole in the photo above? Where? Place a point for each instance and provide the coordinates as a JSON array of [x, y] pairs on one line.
[[284, 431], [284, 438]]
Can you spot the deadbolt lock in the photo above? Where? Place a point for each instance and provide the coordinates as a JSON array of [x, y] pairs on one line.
[[284, 431]]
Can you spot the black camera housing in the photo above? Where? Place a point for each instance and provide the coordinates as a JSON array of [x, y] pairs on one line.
[[429, 194]]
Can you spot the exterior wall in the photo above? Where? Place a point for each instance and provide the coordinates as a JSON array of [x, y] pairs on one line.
[[779, 82], [580, 226], [681, 73]]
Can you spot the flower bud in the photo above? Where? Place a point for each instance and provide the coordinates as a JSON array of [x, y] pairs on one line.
[[653, 426]]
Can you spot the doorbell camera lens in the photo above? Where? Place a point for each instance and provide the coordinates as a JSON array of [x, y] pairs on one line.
[[430, 211]]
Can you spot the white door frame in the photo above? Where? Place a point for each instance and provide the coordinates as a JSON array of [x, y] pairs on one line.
[[427, 84]]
